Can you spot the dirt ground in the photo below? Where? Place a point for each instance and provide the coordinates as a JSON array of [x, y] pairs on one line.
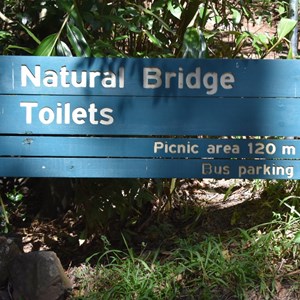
[[215, 207]]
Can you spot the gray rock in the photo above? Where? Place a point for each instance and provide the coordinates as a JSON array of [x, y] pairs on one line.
[[8, 251], [38, 276]]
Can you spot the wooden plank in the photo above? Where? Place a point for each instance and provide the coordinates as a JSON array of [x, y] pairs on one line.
[[52, 146], [149, 116], [69, 100], [252, 78], [149, 168]]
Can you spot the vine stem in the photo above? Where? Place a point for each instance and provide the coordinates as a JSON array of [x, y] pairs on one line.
[[4, 210]]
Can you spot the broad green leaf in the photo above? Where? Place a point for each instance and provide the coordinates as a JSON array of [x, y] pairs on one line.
[[204, 13], [31, 34], [121, 38], [285, 26], [75, 14], [175, 11], [297, 238], [149, 12], [15, 197], [263, 38], [47, 46], [281, 9], [4, 34], [133, 28], [63, 49], [153, 39], [236, 16], [241, 38], [78, 42], [26, 49], [65, 5]]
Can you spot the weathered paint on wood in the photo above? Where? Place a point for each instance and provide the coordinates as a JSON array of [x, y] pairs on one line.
[[150, 116], [158, 148], [148, 168], [104, 117], [253, 78]]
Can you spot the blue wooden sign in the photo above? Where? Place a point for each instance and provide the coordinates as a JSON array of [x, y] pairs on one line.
[[148, 168], [149, 77], [104, 117], [78, 115], [150, 147]]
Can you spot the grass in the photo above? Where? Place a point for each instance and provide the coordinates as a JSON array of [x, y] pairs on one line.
[[232, 266]]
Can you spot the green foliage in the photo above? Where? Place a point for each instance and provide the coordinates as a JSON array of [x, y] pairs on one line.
[[194, 44], [8, 204], [112, 205], [154, 28], [203, 267], [78, 42], [4, 217]]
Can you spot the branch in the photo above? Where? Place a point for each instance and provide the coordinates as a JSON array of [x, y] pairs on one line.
[[5, 19]]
